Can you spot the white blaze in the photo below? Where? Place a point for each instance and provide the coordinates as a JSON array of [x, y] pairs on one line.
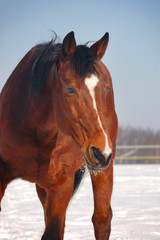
[[91, 83]]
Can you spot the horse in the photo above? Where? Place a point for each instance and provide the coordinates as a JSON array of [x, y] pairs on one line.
[[57, 118]]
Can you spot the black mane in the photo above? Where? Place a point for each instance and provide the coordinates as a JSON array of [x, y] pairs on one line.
[[46, 57]]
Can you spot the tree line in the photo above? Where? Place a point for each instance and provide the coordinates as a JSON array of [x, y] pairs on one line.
[[138, 136]]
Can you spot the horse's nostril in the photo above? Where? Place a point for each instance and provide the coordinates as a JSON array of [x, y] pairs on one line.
[[96, 152], [99, 157]]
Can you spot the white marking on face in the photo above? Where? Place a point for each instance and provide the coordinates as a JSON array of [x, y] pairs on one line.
[[91, 83]]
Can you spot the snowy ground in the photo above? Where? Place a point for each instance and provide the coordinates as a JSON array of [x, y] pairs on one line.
[[135, 203]]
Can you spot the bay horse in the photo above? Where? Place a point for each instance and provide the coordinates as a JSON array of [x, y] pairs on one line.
[[57, 116]]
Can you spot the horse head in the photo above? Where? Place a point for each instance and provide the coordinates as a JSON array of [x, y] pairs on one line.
[[85, 103]]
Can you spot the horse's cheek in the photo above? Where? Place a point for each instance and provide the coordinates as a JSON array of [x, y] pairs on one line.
[[74, 111], [61, 118]]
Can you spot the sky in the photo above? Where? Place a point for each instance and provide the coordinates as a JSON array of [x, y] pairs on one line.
[[132, 56]]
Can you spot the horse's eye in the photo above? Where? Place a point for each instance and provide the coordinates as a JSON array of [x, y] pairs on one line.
[[71, 90], [107, 89]]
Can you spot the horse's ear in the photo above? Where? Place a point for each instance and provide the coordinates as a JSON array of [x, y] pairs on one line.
[[68, 45], [98, 48]]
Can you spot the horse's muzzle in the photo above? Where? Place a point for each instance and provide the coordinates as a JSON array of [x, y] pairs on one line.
[[96, 160]]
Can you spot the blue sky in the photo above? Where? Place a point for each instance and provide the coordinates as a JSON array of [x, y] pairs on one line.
[[133, 54]]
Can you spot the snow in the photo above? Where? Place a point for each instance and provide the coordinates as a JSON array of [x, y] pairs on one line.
[[135, 204]]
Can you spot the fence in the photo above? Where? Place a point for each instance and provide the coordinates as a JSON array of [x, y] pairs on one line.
[[137, 154]]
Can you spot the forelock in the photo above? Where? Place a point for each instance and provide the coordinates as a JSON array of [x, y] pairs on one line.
[[83, 61]]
